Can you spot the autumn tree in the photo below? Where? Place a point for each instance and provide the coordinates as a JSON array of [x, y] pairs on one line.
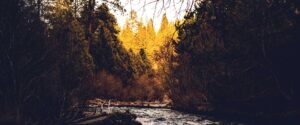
[[127, 36], [151, 38]]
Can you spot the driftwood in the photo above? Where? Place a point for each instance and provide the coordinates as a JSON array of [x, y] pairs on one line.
[[109, 119], [140, 104]]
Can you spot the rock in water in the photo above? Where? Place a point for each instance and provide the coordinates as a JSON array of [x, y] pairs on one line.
[[160, 119], [121, 119]]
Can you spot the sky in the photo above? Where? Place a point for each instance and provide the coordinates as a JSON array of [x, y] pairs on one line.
[[174, 9]]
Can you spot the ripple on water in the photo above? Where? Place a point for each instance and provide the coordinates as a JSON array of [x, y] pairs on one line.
[[160, 116]]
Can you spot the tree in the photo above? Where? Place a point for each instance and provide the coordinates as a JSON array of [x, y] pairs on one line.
[[106, 49], [164, 23], [166, 32], [147, 69], [151, 38], [25, 61], [141, 36], [127, 36], [229, 54]]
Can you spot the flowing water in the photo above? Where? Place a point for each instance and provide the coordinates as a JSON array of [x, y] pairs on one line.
[[161, 116]]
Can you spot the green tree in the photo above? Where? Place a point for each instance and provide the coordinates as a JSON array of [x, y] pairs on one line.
[[106, 49], [25, 62], [229, 54], [146, 66]]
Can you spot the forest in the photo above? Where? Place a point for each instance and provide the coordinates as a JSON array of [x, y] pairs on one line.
[[236, 60]]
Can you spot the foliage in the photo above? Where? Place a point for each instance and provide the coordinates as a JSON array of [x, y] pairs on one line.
[[231, 56], [107, 51], [113, 61], [136, 36], [25, 62]]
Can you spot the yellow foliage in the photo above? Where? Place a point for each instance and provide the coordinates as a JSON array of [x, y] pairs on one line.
[[135, 36]]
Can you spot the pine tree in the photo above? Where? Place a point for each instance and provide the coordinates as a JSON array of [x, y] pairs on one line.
[[229, 52], [25, 61], [107, 50]]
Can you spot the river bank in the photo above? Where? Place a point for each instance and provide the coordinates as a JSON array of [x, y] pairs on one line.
[[115, 103], [224, 116], [167, 116]]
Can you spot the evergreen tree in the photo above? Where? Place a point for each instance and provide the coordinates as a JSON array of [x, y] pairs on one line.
[[106, 49], [25, 61], [146, 66], [75, 64], [230, 52]]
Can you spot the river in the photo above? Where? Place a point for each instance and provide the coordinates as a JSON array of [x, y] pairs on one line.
[[162, 116]]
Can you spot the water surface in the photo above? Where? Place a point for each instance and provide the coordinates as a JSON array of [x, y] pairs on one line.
[[161, 116]]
